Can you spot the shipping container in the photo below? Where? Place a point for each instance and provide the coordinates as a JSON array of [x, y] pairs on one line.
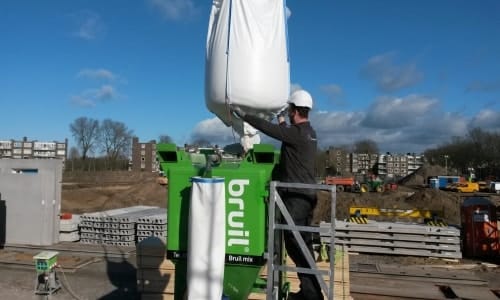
[[479, 225], [446, 180]]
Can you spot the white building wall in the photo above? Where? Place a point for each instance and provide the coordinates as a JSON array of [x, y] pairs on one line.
[[31, 191]]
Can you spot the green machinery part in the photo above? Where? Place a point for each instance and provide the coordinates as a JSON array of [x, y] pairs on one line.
[[246, 182]]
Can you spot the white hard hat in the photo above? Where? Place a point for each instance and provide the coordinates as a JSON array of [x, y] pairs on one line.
[[301, 98]]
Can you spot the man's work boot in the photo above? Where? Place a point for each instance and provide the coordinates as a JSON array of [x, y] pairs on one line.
[[295, 296], [299, 296]]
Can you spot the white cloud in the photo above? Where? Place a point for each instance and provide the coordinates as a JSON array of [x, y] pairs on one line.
[[215, 131], [422, 126], [388, 112], [335, 93], [96, 74], [82, 101], [105, 92], [430, 131], [426, 130], [388, 76], [487, 119], [89, 25], [295, 87], [288, 12], [175, 10], [442, 124], [90, 97], [338, 121]]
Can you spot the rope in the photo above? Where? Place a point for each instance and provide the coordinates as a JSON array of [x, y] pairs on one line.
[[286, 33], [226, 91]]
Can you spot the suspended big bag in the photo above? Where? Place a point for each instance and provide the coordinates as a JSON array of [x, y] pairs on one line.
[[246, 59]]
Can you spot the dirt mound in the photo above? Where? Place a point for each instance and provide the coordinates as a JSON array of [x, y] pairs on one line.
[[346, 200], [102, 192], [412, 193], [448, 204], [445, 203], [419, 177], [107, 194]]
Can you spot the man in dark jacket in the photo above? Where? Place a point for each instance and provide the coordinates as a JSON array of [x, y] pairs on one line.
[[298, 152]]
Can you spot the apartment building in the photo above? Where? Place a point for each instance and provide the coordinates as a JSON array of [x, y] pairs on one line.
[[363, 163], [339, 159], [27, 149], [386, 165], [144, 156], [399, 165]]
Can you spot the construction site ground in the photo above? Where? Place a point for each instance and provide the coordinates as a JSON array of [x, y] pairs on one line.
[[95, 272]]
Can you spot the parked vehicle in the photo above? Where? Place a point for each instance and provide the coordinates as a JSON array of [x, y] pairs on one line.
[[365, 184], [372, 186], [390, 186], [483, 186], [451, 186], [342, 183], [444, 181], [495, 187], [466, 187]]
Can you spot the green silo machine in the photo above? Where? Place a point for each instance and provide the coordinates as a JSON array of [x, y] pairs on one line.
[[246, 183]]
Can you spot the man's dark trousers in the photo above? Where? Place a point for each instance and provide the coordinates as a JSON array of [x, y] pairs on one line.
[[301, 208]]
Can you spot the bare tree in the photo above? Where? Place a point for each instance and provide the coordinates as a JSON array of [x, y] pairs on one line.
[[366, 146], [165, 139], [115, 139], [74, 153], [477, 150], [86, 133], [321, 163]]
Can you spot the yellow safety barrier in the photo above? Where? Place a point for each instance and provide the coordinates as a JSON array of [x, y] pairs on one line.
[[436, 223], [358, 220], [393, 212]]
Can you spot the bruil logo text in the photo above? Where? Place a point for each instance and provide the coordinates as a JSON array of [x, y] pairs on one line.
[[236, 233]]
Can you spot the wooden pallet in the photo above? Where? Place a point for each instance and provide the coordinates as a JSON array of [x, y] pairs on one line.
[[156, 274], [341, 284]]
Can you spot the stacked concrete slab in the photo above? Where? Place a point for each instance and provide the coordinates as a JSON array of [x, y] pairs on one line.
[[114, 227], [69, 229], [397, 239], [153, 226]]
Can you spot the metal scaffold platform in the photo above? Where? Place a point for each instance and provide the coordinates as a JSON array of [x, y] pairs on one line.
[[279, 219]]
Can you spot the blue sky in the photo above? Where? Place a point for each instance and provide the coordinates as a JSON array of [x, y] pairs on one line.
[[406, 74]]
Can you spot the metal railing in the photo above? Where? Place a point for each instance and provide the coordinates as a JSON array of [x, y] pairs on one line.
[[275, 267]]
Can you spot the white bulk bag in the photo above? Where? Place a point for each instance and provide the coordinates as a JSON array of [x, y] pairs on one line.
[[246, 59], [206, 239]]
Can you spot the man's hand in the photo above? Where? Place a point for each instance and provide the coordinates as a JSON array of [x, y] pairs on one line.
[[237, 111], [281, 116], [282, 113]]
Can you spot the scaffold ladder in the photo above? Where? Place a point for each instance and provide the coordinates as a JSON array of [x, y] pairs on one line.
[[276, 265]]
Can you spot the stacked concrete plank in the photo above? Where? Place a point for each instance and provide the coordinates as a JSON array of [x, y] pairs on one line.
[[113, 227], [69, 229], [154, 225], [397, 239]]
